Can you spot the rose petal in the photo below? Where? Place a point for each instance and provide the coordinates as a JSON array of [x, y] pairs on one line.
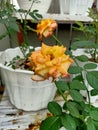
[[37, 78]]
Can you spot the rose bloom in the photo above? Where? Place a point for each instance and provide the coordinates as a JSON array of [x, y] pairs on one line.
[[46, 28], [50, 61]]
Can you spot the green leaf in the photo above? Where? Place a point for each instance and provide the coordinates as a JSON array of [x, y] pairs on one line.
[[78, 77], [51, 123], [95, 46], [76, 95], [35, 15], [94, 92], [94, 115], [3, 21], [22, 11], [68, 52], [90, 66], [90, 124], [80, 26], [87, 108], [3, 35], [92, 78], [96, 124], [81, 105], [34, 11], [82, 58], [39, 16], [62, 85], [75, 70], [54, 108], [72, 109], [82, 44], [75, 84], [13, 26], [68, 122]]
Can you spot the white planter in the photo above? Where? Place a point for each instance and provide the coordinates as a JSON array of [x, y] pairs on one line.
[[24, 93], [42, 6]]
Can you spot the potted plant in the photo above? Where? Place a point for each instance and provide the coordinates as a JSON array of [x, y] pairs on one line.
[[7, 19], [54, 61], [25, 61], [23, 92]]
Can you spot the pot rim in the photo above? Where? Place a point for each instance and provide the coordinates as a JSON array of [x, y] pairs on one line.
[[15, 70]]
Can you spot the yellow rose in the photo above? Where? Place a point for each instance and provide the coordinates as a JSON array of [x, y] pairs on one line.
[[46, 28], [50, 61]]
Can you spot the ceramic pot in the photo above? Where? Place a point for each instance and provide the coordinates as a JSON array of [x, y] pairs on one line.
[[23, 92]]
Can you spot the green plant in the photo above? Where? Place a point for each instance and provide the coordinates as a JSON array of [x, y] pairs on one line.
[[89, 39], [76, 113], [35, 17], [8, 18]]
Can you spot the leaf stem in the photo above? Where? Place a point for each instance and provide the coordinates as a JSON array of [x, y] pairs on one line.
[[62, 94], [88, 94]]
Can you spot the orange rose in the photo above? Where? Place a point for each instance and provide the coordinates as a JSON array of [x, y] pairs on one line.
[[46, 28], [50, 61]]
